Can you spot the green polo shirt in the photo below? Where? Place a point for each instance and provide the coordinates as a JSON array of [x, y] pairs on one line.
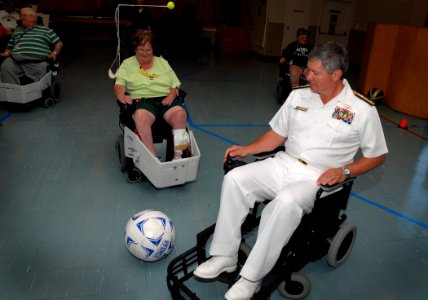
[[36, 42], [155, 82]]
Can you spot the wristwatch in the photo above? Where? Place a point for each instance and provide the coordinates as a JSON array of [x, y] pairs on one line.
[[346, 171]]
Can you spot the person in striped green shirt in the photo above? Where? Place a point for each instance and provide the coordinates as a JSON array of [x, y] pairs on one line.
[[28, 50]]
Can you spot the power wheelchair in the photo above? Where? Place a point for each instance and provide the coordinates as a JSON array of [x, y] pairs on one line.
[[283, 87], [46, 91], [322, 233], [139, 164]]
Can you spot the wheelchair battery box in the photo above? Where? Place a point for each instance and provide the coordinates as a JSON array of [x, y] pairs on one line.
[[25, 93], [162, 174]]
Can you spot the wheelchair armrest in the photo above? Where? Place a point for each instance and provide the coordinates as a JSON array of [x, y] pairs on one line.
[[330, 188], [126, 108], [181, 94]]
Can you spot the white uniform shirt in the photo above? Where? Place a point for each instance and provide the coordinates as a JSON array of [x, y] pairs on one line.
[[329, 135]]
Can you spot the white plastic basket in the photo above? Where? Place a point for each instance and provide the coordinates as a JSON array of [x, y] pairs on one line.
[[162, 174], [25, 93]]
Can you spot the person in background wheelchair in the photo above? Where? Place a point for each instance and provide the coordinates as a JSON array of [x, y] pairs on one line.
[[149, 84], [322, 127], [29, 49], [294, 58]]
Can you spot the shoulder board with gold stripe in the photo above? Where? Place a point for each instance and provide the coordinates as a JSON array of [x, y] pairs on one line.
[[362, 97], [300, 86]]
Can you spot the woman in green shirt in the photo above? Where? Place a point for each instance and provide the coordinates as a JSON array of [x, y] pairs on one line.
[[148, 82]]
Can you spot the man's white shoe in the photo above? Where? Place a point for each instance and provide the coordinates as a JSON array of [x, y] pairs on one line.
[[216, 265], [243, 289]]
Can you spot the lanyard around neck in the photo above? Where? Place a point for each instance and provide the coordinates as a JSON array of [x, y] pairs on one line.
[[26, 30], [150, 76]]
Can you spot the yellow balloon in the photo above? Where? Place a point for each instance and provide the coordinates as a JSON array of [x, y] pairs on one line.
[[170, 5]]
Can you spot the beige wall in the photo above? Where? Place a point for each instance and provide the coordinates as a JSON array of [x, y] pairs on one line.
[[399, 12]]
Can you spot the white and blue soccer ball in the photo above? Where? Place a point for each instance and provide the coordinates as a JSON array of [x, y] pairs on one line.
[[150, 235]]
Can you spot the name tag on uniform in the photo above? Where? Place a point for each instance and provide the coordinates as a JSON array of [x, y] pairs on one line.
[[301, 108]]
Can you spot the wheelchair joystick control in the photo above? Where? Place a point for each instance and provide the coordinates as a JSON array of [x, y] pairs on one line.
[[55, 68]]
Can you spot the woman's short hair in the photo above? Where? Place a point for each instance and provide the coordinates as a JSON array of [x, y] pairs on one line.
[[333, 56], [142, 37]]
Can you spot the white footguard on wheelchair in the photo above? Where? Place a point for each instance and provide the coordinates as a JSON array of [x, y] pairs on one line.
[[24, 94], [162, 173]]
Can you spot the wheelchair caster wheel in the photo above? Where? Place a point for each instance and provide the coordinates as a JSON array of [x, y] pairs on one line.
[[134, 175], [120, 150], [49, 102], [298, 288], [56, 91], [342, 244]]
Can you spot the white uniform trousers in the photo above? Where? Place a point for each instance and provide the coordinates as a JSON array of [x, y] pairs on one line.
[[292, 187]]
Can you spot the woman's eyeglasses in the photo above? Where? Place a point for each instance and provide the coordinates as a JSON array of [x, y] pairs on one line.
[[142, 50]]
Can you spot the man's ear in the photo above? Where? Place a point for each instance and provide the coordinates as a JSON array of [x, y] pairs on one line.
[[337, 74]]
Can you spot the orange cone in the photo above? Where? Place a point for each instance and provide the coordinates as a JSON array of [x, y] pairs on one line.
[[403, 123]]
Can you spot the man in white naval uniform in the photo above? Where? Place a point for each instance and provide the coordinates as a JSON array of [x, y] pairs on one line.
[[322, 127]]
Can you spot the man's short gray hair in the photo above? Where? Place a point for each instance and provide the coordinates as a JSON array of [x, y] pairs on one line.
[[333, 56]]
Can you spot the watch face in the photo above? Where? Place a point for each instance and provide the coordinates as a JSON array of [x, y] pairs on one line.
[[346, 171]]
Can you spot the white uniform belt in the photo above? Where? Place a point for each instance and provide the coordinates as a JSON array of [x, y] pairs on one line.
[[305, 163], [302, 161]]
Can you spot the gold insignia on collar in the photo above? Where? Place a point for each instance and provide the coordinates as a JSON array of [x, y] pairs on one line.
[[301, 108], [300, 86]]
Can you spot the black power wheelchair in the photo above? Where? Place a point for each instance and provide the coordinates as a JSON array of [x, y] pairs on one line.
[[140, 165], [283, 87], [321, 233]]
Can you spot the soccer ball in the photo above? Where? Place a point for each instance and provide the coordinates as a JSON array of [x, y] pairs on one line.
[[150, 235]]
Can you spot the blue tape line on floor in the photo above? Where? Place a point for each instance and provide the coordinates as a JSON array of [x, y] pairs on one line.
[[6, 116], [390, 211], [214, 135], [231, 125]]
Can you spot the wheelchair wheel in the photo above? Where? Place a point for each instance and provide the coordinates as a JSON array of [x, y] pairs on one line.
[[283, 89], [134, 175], [49, 102], [298, 288], [342, 244], [279, 92], [120, 150]]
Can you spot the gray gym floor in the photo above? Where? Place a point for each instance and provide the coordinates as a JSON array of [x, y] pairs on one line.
[[64, 202]]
